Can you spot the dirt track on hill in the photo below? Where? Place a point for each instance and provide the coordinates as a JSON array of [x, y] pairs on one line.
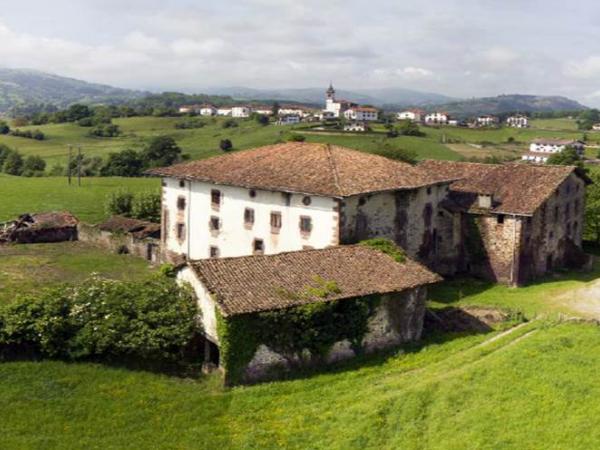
[[585, 301]]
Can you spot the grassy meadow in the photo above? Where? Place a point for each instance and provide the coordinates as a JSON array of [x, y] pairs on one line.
[[24, 269], [21, 195], [204, 142]]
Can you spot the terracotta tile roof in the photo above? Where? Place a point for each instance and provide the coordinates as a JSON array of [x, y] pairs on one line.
[[516, 188], [54, 220], [556, 141], [310, 168], [261, 283], [138, 228]]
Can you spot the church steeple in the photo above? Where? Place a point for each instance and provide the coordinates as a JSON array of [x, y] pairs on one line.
[[330, 91]]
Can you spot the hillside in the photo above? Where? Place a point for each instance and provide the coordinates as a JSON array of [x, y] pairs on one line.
[[316, 96], [24, 87], [510, 103]]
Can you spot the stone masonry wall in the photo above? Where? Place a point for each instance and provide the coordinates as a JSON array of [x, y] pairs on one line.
[[397, 319], [413, 219]]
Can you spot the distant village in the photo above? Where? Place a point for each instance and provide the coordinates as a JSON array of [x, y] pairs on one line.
[[357, 119]]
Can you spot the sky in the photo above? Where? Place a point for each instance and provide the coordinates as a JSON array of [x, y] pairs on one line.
[[461, 48]]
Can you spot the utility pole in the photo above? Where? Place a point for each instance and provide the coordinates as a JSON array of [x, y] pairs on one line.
[[69, 165], [79, 166]]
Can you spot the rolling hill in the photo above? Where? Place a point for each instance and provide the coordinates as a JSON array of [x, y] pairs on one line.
[[510, 103], [24, 87]]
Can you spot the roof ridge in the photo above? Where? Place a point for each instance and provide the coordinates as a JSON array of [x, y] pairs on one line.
[[336, 177]]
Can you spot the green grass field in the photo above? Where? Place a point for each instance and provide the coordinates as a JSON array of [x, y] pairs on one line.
[[204, 142], [21, 195], [534, 386], [24, 269]]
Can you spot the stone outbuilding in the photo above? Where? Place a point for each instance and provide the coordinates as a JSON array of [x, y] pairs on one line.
[[511, 223], [248, 304], [40, 228]]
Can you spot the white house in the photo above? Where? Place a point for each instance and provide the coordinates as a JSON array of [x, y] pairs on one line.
[[356, 127], [596, 127], [207, 110], [286, 197], [335, 106], [290, 119], [517, 121], [241, 111], [263, 109], [486, 121], [437, 118], [186, 109], [361, 114], [541, 149], [294, 110], [224, 111], [414, 115]]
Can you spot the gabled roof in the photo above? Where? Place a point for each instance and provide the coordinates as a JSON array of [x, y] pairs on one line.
[[261, 283], [138, 228], [516, 188], [308, 168]]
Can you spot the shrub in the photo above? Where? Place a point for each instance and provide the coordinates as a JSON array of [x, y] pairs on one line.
[[120, 203], [147, 206], [4, 128], [150, 319], [34, 166], [161, 151], [386, 246], [190, 123], [108, 130], [295, 137], [230, 123], [225, 145]]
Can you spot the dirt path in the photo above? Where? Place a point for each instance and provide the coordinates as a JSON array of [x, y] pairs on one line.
[[584, 301]]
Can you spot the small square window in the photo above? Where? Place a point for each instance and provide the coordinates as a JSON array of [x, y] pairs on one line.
[[258, 246], [305, 224], [500, 218], [215, 223], [287, 198], [180, 203], [214, 252], [215, 197], [429, 191], [181, 183], [249, 216], [180, 231], [306, 201], [252, 193], [276, 220]]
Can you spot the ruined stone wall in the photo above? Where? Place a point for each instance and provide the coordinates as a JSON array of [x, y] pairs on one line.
[[397, 319], [413, 219], [552, 237], [123, 243]]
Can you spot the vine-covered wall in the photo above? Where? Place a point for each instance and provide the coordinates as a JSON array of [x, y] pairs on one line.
[[261, 345]]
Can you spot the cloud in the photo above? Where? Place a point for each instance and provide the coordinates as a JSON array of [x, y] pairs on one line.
[[584, 69]]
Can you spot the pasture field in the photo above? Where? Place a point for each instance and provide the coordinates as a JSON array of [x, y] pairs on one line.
[[204, 142], [24, 269], [451, 391], [22, 195]]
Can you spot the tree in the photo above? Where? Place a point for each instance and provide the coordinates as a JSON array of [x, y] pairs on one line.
[[147, 206], [120, 203], [77, 112], [592, 208], [4, 128], [588, 118], [4, 152], [127, 163], [33, 166], [568, 157], [161, 151], [399, 154], [262, 119], [225, 145], [13, 164]]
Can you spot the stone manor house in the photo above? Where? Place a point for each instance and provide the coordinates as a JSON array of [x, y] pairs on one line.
[[247, 225]]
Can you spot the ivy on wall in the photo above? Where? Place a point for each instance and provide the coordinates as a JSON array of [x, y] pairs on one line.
[[314, 327]]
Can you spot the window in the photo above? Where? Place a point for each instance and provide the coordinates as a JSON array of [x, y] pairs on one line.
[[180, 203], [258, 246], [214, 252], [556, 213], [249, 216], [500, 218], [305, 224], [180, 231], [529, 221], [181, 183], [306, 200], [214, 224], [252, 193], [429, 191], [287, 198], [362, 201], [215, 197], [276, 220]]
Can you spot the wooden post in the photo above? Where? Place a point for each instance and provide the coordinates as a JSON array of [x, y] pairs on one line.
[[69, 164], [79, 166]]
